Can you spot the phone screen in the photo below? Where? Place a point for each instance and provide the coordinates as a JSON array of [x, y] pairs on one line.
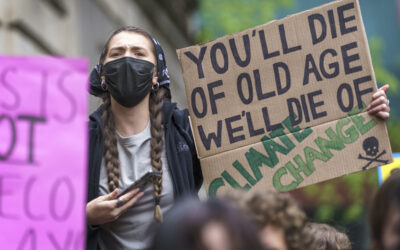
[[142, 182]]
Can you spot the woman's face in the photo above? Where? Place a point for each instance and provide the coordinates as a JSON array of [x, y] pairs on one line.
[[273, 237], [215, 236], [391, 231], [131, 44]]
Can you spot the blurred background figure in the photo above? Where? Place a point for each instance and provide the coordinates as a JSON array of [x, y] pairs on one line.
[[276, 215], [384, 216], [318, 236], [210, 225]]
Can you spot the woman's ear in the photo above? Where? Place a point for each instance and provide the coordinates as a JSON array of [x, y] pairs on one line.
[[154, 80], [155, 77]]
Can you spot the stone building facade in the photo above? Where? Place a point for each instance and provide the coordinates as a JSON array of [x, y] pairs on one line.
[[79, 28]]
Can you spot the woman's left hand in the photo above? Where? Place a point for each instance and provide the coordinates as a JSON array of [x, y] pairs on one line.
[[379, 105]]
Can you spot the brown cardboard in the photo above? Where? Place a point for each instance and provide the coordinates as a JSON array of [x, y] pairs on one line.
[[241, 94]]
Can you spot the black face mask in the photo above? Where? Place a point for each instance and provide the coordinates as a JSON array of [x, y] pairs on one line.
[[129, 80]]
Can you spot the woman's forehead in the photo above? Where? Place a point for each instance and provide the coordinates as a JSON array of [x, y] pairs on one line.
[[130, 39]]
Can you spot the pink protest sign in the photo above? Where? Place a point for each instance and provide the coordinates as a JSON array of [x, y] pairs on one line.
[[43, 152]]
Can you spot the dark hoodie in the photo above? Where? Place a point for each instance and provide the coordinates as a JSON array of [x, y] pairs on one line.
[[181, 155]]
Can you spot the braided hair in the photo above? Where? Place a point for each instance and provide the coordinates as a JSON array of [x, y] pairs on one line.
[[156, 102], [156, 142]]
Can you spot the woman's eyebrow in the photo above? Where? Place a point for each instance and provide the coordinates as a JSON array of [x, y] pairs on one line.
[[135, 47], [122, 47], [117, 48]]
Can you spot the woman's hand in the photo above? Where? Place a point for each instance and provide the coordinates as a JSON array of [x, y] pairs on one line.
[[379, 105], [105, 208]]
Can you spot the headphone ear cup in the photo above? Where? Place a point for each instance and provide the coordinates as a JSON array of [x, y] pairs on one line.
[[104, 85], [96, 83]]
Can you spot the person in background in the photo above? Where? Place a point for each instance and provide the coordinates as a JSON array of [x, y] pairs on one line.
[[208, 225], [278, 218], [384, 216], [134, 131], [318, 236]]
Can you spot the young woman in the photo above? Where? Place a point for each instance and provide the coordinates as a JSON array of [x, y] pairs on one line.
[[136, 130]]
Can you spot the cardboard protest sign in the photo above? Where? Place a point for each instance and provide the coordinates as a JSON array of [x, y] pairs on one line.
[[387, 170], [43, 152], [283, 105]]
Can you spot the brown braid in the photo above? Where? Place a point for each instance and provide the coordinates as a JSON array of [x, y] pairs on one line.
[[110, 145], [157, 140]]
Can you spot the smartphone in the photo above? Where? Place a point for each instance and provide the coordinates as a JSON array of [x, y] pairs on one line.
[[142, 182]]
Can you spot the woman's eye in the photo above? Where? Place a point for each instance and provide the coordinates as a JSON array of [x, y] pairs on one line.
[[139, 54], [114, 54]]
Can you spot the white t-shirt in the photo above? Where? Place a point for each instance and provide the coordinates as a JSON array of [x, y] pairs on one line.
[[132, 229]]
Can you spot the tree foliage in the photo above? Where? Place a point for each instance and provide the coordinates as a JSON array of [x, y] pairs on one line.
[[383, 76], [222, 17]]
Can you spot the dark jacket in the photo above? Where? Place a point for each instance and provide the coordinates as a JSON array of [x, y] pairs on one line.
[[181, 155]]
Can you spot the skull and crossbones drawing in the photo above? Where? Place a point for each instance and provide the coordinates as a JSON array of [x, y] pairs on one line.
[[371, 148]]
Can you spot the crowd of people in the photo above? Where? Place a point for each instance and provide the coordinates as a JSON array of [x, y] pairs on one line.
[[138, 129], [271, 221]]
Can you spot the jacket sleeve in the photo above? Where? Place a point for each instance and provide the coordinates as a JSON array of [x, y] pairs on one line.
[[198, 175], [95, 154]]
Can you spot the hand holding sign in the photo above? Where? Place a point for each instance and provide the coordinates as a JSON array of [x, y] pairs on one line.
[[379, 104]]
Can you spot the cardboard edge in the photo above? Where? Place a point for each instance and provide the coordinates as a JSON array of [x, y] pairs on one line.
[[179, 55], [187, 94]]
